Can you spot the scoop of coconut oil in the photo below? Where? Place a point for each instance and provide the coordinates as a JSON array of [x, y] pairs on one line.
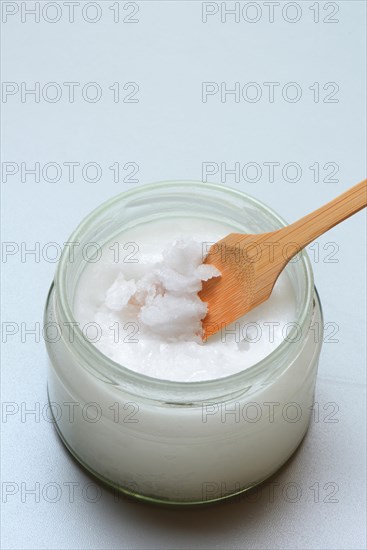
[[165, 301]]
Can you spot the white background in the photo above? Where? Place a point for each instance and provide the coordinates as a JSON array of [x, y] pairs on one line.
[[169, 133]]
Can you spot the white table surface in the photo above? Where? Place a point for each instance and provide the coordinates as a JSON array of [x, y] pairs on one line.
[[169, 133]]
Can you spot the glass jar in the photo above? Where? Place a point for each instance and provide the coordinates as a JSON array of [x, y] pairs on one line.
[[179, 442]]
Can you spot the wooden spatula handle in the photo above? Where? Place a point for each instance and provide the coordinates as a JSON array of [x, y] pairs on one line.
[[308, 228]]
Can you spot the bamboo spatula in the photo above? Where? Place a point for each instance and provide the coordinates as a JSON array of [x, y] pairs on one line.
[[251, 264]]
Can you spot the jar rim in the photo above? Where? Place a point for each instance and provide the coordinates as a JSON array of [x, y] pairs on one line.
[[134, 381]]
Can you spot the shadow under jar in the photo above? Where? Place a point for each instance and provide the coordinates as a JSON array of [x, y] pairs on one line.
[[180, 442]]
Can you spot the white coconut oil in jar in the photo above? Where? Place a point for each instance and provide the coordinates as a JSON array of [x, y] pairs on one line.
[[156, 412]]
